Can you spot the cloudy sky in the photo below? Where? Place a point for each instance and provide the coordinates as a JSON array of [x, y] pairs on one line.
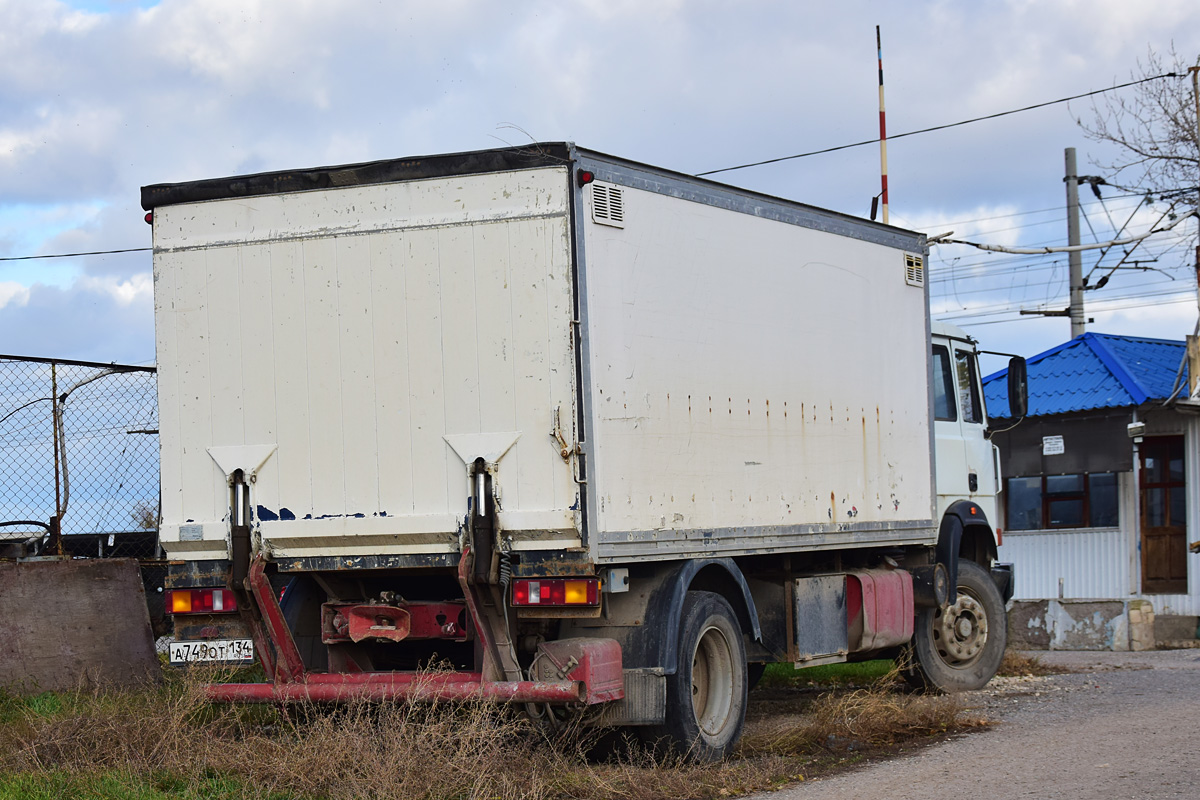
[[101, 97]]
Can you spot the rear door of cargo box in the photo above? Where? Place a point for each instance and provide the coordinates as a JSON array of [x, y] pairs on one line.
[[354, 351]]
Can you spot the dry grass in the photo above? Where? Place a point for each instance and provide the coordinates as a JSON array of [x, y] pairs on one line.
[[867, 719], [1019, 665], [171, 737]]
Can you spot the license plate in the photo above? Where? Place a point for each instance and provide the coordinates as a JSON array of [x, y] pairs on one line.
[[226, 650]]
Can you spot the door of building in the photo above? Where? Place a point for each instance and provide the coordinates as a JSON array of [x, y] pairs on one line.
[[1164, 516]]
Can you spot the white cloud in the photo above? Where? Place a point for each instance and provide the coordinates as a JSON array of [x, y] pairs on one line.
[[92, 320], [124, 293], [12, 292]]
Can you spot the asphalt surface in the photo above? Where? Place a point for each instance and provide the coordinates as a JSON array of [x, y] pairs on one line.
[[1124, 725]]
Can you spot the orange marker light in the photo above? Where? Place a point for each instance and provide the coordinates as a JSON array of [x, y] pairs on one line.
[[181, 602], [576, 592]]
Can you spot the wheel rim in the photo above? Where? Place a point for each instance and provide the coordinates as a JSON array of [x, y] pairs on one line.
[[961, 630], [712, 681]]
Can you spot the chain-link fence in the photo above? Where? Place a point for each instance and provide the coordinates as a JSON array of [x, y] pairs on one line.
[[78, 458]]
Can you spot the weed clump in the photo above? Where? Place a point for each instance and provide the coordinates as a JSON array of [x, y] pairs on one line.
[[1021, 665], [873, 718]]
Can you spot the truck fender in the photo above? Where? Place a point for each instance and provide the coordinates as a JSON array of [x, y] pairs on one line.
[[958, 517], [671, 593], [645, 619]]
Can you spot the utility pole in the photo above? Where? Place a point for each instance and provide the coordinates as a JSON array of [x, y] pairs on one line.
[[1193, 342], [1074, 257]]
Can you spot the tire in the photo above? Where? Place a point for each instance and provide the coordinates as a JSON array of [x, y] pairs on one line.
[[959, 648], [706, 697]]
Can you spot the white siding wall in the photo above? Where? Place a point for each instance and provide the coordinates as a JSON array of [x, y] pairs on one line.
[[1091, 564]]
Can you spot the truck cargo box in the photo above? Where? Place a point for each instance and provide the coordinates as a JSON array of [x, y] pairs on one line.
[[631, 363]]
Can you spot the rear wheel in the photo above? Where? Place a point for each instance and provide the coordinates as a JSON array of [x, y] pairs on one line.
[[706, 697], [959, 647]]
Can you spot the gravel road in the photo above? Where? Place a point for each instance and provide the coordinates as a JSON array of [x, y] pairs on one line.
[[1124, 725]]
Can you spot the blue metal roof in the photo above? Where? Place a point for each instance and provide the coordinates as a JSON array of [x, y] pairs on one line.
[[1093, 371]]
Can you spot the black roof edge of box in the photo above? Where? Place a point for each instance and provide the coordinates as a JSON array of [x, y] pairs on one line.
[[370, 172], [530, 156]]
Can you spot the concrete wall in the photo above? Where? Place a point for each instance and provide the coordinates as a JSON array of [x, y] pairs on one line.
[[1081, 625], [66, 624]]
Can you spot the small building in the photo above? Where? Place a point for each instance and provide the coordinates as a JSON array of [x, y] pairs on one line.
[[1101, 490]]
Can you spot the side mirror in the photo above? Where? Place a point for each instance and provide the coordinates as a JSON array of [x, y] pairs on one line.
[[1018, 388]]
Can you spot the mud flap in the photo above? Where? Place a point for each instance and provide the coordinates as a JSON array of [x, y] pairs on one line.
[[1005, 579]]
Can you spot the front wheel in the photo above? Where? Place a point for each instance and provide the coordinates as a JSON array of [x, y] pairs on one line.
[[706, 697], [959, 647]]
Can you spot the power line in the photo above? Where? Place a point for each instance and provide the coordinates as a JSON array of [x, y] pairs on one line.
[[1074, 248], [940, 127], [962, 268], [1185, 298], [77, 255], [1117, 302], [1056, 209]]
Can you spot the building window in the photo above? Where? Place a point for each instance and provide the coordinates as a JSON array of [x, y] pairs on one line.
[[1061, 501]]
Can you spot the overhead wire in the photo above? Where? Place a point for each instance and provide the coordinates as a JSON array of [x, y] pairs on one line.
[[78, 255], [865, 142], [940, 127], [996, 309], [981, 270], [977, 320], [987, 273], [1000, 283], [1070, 248]]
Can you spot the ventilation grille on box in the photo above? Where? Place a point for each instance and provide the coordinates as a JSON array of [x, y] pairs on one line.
[[608, 205], [914, 270]]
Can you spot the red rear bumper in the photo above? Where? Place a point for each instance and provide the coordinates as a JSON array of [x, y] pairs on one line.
[[324, 688]]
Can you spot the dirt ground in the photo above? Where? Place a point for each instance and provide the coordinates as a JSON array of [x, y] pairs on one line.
[[1120, 725]]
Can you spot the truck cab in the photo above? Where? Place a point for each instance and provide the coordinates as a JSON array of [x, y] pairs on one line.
[[958, 643], [968, 464]]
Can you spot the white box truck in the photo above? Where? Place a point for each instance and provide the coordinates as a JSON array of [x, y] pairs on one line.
[[586, 434]]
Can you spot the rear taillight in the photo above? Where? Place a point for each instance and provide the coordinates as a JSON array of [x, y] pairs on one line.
[[556, 592], [202, 601]]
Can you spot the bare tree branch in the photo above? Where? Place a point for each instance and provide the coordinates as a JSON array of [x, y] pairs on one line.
[[1154, 130]]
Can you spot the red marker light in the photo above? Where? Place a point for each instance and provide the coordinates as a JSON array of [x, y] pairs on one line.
[[556, 592], [149, 217], [585, 177], [202, 601]]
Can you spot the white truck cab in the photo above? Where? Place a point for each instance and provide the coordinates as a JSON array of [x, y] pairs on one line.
[[968, 464]]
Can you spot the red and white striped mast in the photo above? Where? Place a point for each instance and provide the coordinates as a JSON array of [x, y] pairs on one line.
[[882, 130]]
